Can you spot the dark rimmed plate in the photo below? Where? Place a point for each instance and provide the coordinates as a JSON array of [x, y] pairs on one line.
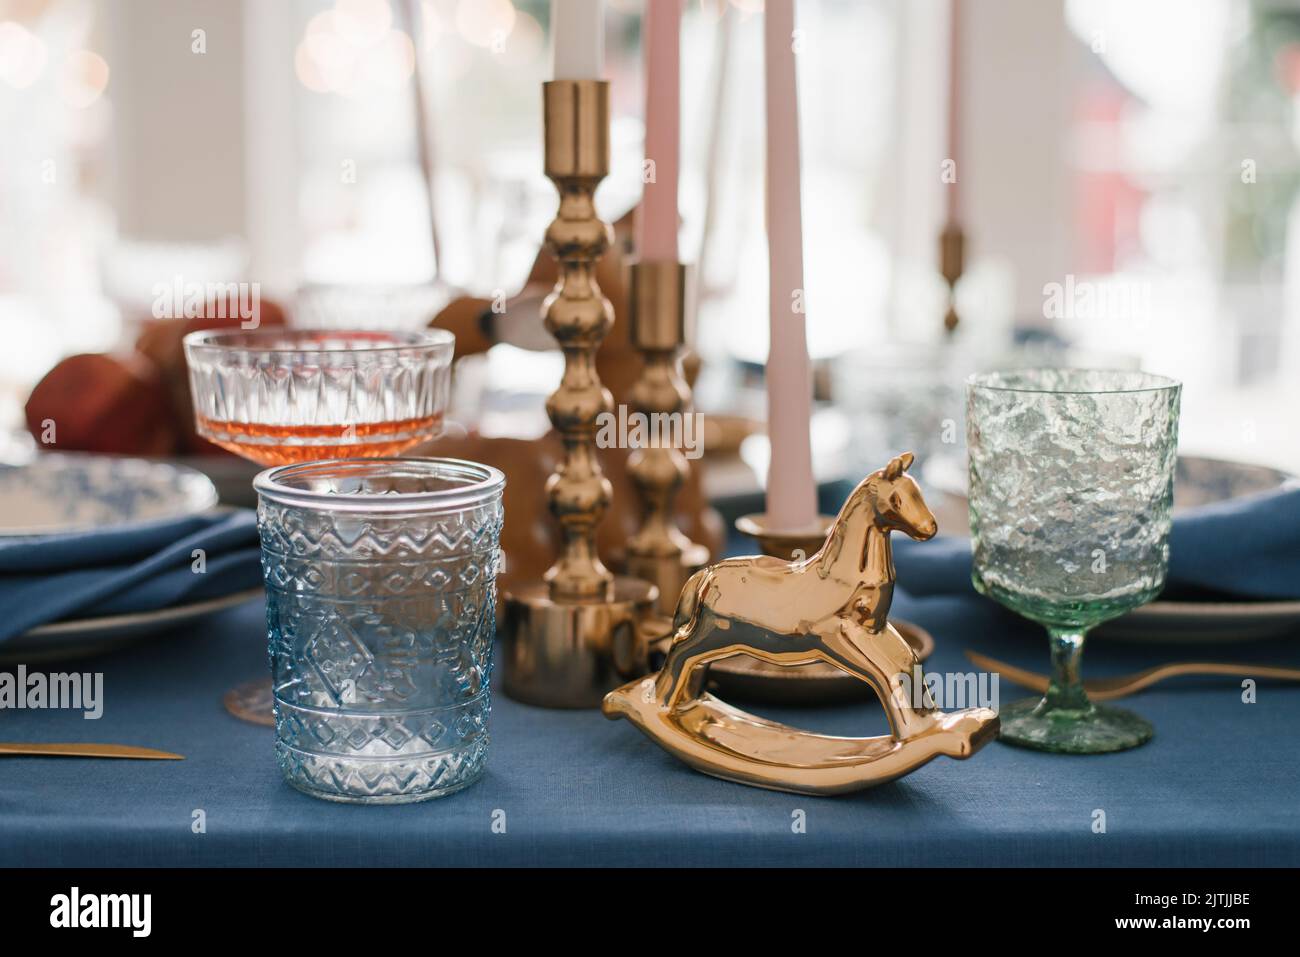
[[90, 636]]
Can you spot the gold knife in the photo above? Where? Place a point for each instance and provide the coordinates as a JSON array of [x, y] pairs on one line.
[[87, 751]]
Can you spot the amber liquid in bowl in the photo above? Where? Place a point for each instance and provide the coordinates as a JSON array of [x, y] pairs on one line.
[[290, 444]]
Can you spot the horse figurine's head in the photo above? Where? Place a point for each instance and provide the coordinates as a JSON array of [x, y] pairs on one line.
[[899, 505], [887, 500]]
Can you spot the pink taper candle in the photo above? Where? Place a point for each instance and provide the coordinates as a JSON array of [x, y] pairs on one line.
[[953, 196], [791, 493], [656, 236]]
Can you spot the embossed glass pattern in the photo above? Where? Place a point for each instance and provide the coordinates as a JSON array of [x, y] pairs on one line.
[[381, 612], [1071, 484]]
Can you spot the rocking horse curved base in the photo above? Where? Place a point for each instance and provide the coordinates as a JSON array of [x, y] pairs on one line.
[[717, 739]]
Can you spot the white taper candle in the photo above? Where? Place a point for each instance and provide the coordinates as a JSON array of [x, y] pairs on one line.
[[577, 39]]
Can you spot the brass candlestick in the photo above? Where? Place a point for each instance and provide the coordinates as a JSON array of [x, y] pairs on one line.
[[952, 261], [574, 636], [660, 552]]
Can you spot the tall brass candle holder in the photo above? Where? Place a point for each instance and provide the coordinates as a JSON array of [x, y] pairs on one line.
[[574, 636], [952, 262], [660, 552]]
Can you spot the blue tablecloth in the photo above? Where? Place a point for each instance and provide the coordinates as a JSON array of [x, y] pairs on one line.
[[1216, 787]]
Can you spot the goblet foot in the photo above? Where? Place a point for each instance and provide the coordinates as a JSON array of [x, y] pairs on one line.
[[1030, 723], [253, 701]]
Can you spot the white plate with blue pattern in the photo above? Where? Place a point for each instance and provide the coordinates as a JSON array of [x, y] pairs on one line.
[[61, 493]]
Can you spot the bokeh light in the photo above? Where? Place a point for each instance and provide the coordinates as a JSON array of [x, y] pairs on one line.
[[363, 22], [527, 41], [84, 79], [485, 23], [22, 55], [354, 51]]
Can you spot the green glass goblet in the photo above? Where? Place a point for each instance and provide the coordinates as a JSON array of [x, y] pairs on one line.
[[1071, 483]]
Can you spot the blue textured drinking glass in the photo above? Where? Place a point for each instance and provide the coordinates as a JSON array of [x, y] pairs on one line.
[[381, 611]]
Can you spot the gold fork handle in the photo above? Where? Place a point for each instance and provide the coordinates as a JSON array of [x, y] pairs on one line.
[[79, 750], [1245, 671], [1105, 689]]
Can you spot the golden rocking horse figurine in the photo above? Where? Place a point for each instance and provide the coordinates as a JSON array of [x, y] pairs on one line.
[[831, 607]]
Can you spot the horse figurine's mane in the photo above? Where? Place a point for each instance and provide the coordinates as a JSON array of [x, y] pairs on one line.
[[834, 547]]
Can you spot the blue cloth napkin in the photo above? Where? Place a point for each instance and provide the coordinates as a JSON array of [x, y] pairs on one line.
[[52, 578], [1247, 547]]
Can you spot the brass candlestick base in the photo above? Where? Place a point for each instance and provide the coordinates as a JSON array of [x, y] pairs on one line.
[[952, 263], [660, 552], [832, 608], [569, 654], [571, 639], [785, 544]]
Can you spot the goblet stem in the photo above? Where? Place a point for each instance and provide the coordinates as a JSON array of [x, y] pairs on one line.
[[1064, 719], [1065, 692]]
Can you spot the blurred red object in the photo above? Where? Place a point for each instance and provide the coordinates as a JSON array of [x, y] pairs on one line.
[[136, 404], [100, 403]]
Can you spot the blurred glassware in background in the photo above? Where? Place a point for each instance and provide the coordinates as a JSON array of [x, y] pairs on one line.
[[902, 397], [910, 396], [398, 307]]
